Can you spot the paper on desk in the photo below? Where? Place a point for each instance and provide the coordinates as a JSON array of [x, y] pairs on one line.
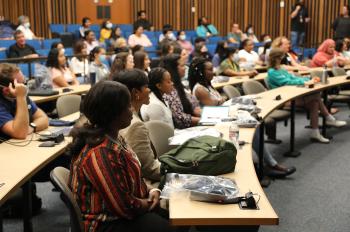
[[213, 114]]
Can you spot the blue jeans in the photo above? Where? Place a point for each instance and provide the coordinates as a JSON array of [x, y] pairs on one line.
[[297, 37], [268, 159]]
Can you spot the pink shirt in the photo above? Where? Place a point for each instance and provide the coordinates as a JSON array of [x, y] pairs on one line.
[[90, 47], [186, 45], [143, 40], [66, 73]]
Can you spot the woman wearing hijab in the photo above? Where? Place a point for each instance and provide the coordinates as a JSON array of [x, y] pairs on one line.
[[326, 55]]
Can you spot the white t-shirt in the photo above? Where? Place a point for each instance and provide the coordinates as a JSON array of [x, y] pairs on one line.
[[251, 57], [28, 34], [78, 66]]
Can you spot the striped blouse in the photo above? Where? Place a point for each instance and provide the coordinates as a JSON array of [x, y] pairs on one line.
[[106, 182]]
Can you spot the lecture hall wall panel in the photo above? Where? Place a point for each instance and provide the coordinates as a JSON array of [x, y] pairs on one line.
[[266, 15]]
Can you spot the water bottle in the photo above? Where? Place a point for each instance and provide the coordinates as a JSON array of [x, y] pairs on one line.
[[310, 55], [234, 134], [324, 74], [267, 56], [334, 62]]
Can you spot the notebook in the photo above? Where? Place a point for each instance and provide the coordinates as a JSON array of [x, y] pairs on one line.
[[213, 114]]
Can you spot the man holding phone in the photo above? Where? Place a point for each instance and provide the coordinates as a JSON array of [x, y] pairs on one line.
[[19, 116], [299, 17]]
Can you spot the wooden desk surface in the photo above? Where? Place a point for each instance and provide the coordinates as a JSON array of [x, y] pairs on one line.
[[18, 164], [77, 89]]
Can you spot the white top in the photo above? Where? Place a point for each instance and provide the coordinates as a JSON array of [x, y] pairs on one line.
[[162, 37], [78, 66], [345, 54], [251, 57], [90, 47], [28, 34], [255, 39], [156, 110]]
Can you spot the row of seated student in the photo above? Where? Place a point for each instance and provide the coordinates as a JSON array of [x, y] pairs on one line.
[[160, 95]]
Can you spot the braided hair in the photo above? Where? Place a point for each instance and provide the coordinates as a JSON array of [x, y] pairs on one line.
[[196, 73], [155, 76]]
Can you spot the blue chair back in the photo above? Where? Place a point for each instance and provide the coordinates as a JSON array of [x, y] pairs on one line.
[[106, 63], [125, 27], [194, 38], [95, 27], [107, 42], [225, 38], [43, 52], [25, 70], [154, 41], [189, 38], [48, 42], [211, 48], [7, 43], [214, 39], [158, 33], [35, 43], [191, 33], [3, 55], [59, 28], [73, 27], [68, 51], [150, 34], [152, 54], [97, 35], [259, 44], [306, 52], [127, 34]]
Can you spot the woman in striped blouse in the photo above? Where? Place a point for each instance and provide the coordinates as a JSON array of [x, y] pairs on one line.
[[105, 174]]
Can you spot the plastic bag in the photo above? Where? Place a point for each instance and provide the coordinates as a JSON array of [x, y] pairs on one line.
[[180, 136], [42, 76], [245, 120], [243, 103], [220, 79], [199, 187]]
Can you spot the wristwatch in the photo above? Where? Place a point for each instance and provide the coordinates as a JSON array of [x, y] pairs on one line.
[[33, 125]]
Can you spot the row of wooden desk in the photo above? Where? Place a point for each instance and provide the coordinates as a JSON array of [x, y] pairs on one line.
[[18, 165]]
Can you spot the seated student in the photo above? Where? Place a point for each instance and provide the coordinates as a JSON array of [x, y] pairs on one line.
[[166, 27], [200, 83], [220, 53], [90, 41], [20, 48], [96, 58], [184, 56], [235, 36], [181, 40], [265, 38], [341, 48], [160, 84], [325, 55], [61, 75], [278, 77], [183, 105], [230, 67], [80, 65], [115, 35], [169, 39], [138, 48], [23, 120], [120, 42], [200, 51], [205, 29], [123, 60], [288, 62], [267, 47], [167, 49], [142, 62], [106, 30], [24, 25], [248, 55], [85, 27], [293, 53], [136, 135], [6, 32], [249, 34], [142, 21], [138, 38], [58, 45], [120, 49], [200, 41], [105, 176]]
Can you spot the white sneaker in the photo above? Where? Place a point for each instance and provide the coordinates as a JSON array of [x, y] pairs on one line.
[[318, 138], [336, 123]]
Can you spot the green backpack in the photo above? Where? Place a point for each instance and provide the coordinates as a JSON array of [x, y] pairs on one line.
[[206, 155]]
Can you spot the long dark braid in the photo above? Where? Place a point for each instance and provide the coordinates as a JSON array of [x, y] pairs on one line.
[[155, 76], [196, 73]]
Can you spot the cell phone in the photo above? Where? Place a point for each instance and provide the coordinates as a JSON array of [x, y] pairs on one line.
[[301, 86]]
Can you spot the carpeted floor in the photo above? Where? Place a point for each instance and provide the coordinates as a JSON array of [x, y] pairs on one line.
[[314, 198]]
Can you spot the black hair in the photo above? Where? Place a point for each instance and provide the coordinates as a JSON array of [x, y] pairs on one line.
[[267, 46], [339, 44], [84, 20], [140, 13], [94, 51], [103, 103], [113, 35], [170, 63], [131, 78], [178, 50], [199, 39], [166, 30], [52, 59], [104, 23], [137, 26], [179, 33], [197, 51], [165, 49], [139, 60], [263, 36], [220, 50], [155, 76], [55, 44], [118, 63], [167, 26], [244, 43], [196, 73], [200, 20], [86, 33], [231, 50], [121, 49], [348, 45], [136, 48], [247, 28]]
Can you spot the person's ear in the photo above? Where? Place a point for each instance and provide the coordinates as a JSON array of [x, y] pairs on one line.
[[135, 92], [158, 86]]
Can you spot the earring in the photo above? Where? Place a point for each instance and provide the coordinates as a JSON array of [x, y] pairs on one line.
[[137, 97]]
